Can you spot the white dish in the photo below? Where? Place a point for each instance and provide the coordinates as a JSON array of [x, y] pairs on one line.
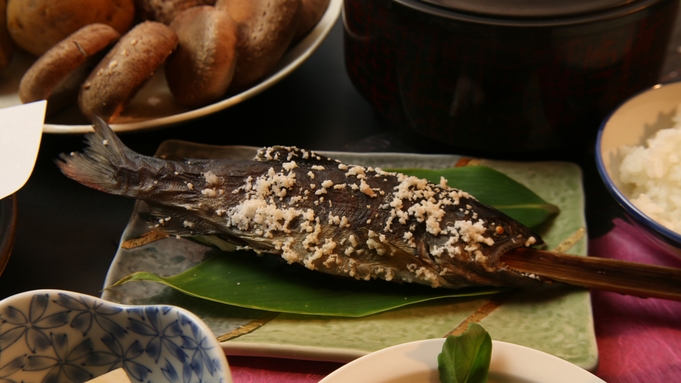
[[154, 106], [416, 362]]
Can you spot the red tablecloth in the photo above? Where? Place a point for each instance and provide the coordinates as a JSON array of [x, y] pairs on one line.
[[639, 340]]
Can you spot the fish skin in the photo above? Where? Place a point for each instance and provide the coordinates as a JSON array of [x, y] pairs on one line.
[[335, 218]]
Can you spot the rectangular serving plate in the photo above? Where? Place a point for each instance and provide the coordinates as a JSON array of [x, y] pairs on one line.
[[554, 319]]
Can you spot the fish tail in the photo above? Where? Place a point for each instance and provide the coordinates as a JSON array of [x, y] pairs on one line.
[[106, 164]]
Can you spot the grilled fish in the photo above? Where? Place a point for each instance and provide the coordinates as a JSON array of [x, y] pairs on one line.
[[336, 218]]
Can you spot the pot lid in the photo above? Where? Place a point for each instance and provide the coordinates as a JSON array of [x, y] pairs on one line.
[[529, 8]]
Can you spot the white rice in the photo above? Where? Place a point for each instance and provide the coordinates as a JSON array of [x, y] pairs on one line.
[[651, 175]]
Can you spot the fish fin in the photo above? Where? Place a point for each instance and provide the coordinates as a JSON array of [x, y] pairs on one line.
[[175, 221], [292, 153], [182, 223], [99, 164]]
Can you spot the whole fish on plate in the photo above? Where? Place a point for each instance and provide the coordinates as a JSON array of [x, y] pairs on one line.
[[332, 217]]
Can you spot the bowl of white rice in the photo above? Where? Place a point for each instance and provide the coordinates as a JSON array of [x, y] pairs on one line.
[[638, 155]]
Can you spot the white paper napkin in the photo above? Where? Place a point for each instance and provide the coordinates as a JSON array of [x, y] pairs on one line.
[[21, 128]]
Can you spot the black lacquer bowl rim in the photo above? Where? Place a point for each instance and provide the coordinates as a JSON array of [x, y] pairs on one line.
[[8, 223]]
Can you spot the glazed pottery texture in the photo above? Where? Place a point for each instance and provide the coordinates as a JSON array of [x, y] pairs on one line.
[[342, 339], [60, 336]]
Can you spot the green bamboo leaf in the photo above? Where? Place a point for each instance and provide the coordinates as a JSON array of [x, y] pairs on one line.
[[493, 188], [243, 279]]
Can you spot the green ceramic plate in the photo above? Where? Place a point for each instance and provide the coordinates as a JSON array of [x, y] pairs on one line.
[[556, 320]]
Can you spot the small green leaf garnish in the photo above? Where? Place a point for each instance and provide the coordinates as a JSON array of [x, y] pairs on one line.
[[466, 358]]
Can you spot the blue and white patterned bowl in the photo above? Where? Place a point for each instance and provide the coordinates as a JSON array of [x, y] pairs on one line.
[[62, 336]]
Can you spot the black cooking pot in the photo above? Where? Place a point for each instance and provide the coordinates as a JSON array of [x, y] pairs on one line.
[[504, 76]]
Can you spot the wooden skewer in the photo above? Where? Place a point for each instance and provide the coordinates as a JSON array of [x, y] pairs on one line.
[[623, 277]]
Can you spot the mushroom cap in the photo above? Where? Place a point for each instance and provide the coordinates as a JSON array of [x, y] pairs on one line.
[[38, 25], [202, 67], [164, 11], [6, 43], [57, 75], [123, 71], [265, 29], [311, 12]]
